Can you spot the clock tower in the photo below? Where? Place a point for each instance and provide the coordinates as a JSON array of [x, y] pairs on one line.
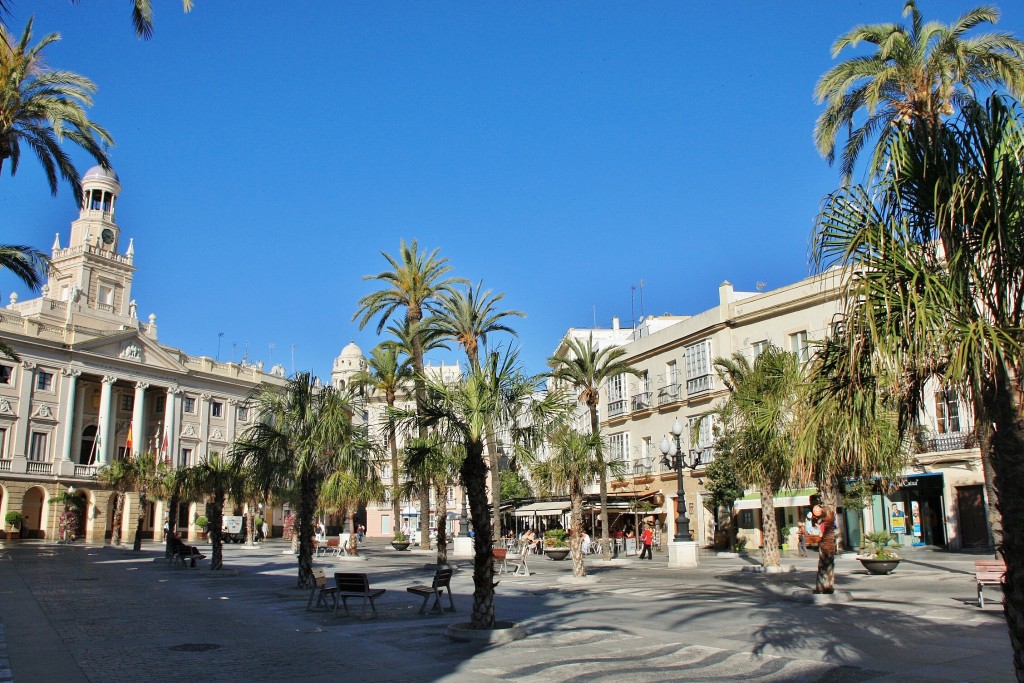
[[89, 274]]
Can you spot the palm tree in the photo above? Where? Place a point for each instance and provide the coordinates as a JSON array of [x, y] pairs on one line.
[[762, 404], [468, 317], [40, 107], [28, 265], [144, 480], [935, 280], [345, 490], [585, 368], [570, 468], [413, 284], [301, 436], [437, 465], [459, 412], [918, 74], [387, 373], [118, 475], [215, 477], [142, 15], [173, 487]]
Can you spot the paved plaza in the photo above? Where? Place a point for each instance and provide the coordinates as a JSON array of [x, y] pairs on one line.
[[94, 613]]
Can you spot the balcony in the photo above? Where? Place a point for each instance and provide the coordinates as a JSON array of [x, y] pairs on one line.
[[34, 467], [698, 384], [641, 401], [934, 442], [86, 471], [5, 465], [669, 394], [616, 408]]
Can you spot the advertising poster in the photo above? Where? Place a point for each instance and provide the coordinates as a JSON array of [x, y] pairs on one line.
[[915, 513], [897, 519]]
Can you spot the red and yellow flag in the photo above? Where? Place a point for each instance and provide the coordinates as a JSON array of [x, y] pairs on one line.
[[128, 442]]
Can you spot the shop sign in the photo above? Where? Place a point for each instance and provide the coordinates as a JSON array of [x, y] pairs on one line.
[[897, 519]]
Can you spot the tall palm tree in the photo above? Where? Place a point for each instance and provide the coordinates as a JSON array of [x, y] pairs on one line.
[[469, 316], [301, 435], [119, 476], [413, 285], [459, 412], [763, 397], [585, 368], [918, 74], [144, 481], [932, 246], [40, 107], [215, 477], [388, 373]]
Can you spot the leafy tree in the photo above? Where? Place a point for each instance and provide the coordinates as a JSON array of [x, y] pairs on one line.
[[301, 436], [514, 485], [585, 368], [469, 316], [762, 401], [918, 74], [40, 107], [932, 246], [723, 484]]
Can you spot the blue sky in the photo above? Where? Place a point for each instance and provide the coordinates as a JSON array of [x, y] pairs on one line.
[[562, 152]]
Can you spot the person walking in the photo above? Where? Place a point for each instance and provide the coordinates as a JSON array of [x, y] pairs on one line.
[[647, 538], [266, 530], [801, 535]]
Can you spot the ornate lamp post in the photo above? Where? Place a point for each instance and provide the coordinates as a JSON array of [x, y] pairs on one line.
[[674, 458]]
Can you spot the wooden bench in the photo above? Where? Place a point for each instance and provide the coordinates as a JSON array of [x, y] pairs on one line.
[[331, 547], [322, 591], [356, 585], [182, 555], [988, 573], [442, 581]]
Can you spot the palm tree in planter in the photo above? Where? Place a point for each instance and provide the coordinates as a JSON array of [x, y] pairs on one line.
[[301, 435], [215, 478], [586, 368]]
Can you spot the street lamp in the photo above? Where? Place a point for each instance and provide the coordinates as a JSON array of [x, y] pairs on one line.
[[674, 458]]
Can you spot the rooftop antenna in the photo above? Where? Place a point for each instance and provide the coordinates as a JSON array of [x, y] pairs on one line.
[[234, 348], [594, 307], [632, 312], [272, 346], [761, 285], [220, 335], [642, 283], [293, 358]]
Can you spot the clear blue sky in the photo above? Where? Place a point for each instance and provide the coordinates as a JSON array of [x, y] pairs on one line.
[[560, 151]]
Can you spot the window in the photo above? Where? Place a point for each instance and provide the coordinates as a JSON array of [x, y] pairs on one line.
[[158, 404], [704, 439], [747, 519], [616, 395], [698, 367], [759, 348], [127, 403], [6, 374], [618, 447], [3, 443], [185, 457], [217, 409], [947, 412], [671, 373], [38, 447], [242, 413], [798, 345], [189, 405], [106, 295], [44, 381]]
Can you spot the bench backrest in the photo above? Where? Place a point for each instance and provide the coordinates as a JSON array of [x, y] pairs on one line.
[[319, 578], [499, 553], [442, 578], [352, 582], [332, 543], [990, 565]]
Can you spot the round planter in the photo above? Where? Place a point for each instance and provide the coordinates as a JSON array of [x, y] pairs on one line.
[[397, 545], [557, 553], [503, 632], [878, 567]]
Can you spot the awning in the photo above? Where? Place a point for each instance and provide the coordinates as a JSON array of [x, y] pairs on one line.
[[556, 507], [783, 499]]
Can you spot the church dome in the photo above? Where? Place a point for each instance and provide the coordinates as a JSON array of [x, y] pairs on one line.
[[351, 351], [100, 172]]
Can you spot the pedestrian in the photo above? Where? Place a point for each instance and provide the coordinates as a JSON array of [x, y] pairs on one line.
[[647, 538], [266, 530], [801, 535], [321, 533], [360, 531]]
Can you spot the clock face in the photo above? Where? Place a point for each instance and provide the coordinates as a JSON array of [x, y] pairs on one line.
[[108, 236]]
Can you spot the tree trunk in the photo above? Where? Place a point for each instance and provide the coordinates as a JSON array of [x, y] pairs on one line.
[[606, 548], [250, 525], [985, 433], [579, 568], [396, 483], [143, 501], [172, 521], [216, 510], [826, 579], [1004, 405], [769, 529], [424, 515], [118, 521], [732, 528], [442, 525], [474, 478], [304, 530], [493, 458]]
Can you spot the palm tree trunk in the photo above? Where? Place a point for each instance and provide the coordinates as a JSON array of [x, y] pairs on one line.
[[143, 500], [118, 521], [442, 525], [172, 521], [493, 458], [353, 537], [396, 501], [826, 579], [216, 524], [606, 548], [304, 530], [769, 529], [985, 431], [250, 524], [732, 528], [420, 390], [474, 478], [579, 569]]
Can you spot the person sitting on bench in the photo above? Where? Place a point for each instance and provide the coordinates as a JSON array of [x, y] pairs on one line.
[[184, 550]]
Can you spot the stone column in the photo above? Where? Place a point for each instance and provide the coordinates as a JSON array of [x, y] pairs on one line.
[[170, 424], [232, 419], [68, 403], [139, 418], [28, 378], [106, 433], [204, 424]]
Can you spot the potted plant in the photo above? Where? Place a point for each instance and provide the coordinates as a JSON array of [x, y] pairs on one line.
[[882, 558], [13, 520], [201, 523], [400, 542], [555, 545]]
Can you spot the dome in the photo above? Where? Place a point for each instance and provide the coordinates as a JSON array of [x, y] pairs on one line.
[[351, 351], [100, 172]]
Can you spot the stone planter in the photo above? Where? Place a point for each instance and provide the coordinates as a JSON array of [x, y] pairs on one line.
[[400, 545], [878, 567], [557, 554]]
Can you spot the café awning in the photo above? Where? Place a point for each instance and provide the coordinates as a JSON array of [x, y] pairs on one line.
[[557, 507]]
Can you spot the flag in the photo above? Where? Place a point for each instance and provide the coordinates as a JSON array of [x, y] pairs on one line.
[[128, 442], [163, 447]]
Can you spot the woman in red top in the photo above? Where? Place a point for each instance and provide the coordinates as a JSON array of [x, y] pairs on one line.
[[647, 538]]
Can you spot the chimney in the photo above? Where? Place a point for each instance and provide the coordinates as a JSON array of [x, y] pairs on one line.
[[615, 323]]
